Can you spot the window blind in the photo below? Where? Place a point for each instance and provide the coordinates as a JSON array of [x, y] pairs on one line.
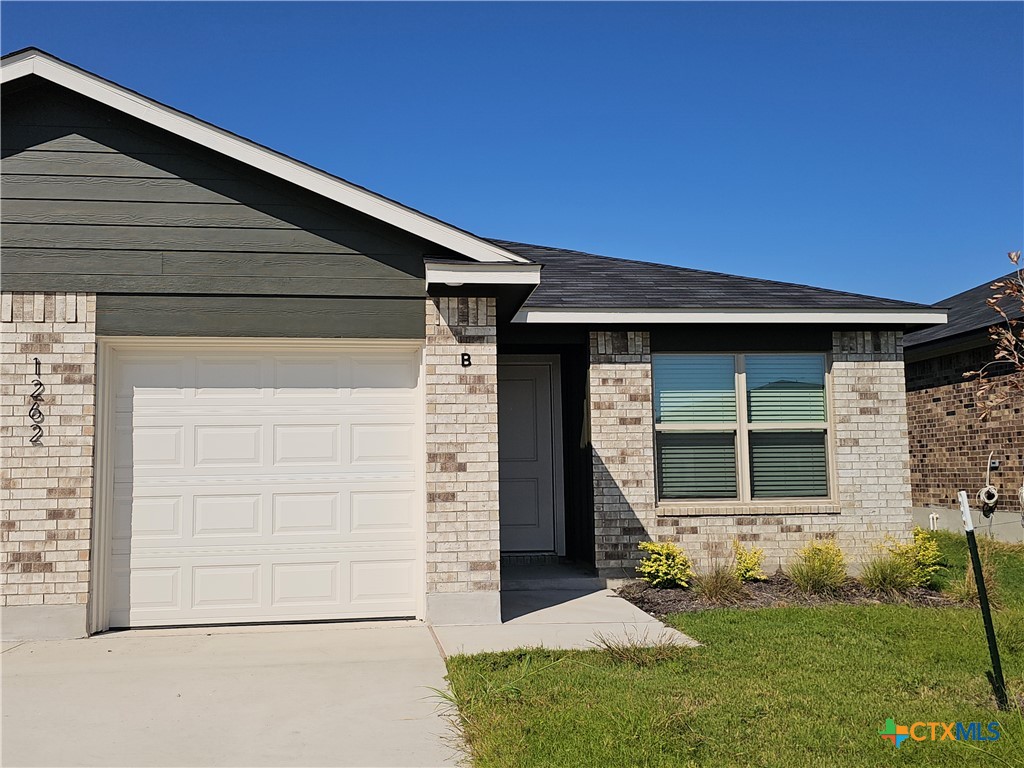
[[785, 388], [690, 389], [697, 465], [788, 464]]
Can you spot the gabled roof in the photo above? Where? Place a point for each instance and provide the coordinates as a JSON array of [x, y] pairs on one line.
[[968, 313], [584, 287], [32, 61], [576, 286]]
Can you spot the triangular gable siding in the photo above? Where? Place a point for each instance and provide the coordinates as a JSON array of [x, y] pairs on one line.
[[94, 201]]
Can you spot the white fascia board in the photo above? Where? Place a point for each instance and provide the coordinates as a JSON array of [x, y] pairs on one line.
[[795, 316], [483, 274], [219, 140]]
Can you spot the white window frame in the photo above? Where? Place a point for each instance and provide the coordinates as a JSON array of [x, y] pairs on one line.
[[742, 427]]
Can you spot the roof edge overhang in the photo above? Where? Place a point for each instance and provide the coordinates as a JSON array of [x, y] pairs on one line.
[[35, 62], [614, 316], [457, 274]]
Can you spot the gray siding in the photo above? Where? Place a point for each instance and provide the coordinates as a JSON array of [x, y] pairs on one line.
[[94, 201], [259, 316]]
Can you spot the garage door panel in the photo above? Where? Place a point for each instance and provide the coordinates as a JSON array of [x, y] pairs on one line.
[[156, 588], [158, 447], [380, 443], [150, 377], [320, 376], [377, 582], [306, 584], [325, 512], [177, 589], [239, 378], [379, 514], [227, 515], [234, 586], [375, 376], [266, 486], [308, 513], [254, 443], [308, 445], [155, 517]]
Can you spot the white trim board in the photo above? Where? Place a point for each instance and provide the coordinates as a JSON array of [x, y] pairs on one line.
[[474, 273], [786, 316], [35, 62]]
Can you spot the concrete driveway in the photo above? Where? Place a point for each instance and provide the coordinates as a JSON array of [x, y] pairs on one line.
[[312, 695]]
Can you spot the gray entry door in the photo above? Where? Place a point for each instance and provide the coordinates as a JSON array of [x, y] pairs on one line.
[[527, 436]]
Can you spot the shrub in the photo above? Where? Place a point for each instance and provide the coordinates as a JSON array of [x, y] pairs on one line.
[[719, 584], [748, 561], [820, 569], [921, 556], [888, 575], [666, 565], [965, 589]]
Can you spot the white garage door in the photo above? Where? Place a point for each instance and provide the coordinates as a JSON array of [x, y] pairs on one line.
[[265, 483]]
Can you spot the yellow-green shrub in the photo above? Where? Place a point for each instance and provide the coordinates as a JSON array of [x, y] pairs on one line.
[[666, 565], [748, 561], [887, 574], [820, 568], [921, 556]]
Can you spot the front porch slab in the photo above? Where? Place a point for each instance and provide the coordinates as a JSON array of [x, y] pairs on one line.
[[559, 619]]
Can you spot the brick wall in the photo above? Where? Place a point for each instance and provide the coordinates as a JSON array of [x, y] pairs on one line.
[[46, 487], [622, 439], [949, 443], [870, 451], [462, 461]]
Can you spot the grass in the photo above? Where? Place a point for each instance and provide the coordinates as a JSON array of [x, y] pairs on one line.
[[770, 687]]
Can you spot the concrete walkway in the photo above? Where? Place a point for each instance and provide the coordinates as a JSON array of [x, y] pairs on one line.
[[558, 618], [300, 695]]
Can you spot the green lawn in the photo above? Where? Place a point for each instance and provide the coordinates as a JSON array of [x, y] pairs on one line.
[[771, 687]]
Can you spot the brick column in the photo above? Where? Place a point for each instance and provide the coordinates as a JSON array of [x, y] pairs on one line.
[[463, 557], [872, 447], [46, 486], [622, 437]]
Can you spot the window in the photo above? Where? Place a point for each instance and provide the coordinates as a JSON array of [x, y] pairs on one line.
[[744, 427]]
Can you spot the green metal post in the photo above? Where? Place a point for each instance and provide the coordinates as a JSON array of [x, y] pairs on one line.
[[995, 677]]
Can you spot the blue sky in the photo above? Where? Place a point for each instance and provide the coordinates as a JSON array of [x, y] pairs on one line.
[[871, 147]]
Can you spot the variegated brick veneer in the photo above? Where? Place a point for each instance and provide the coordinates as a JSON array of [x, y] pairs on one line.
[[46, 488], [949, 441], [462, 446], [622, 438], [870, 451]]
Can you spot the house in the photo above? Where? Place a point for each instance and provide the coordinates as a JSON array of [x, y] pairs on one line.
[[236, 388], [949, 443]]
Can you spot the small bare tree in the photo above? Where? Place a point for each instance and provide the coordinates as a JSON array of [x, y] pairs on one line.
[[1008, 336]]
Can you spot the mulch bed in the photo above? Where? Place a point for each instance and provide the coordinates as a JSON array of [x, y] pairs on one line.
[[774, 592]]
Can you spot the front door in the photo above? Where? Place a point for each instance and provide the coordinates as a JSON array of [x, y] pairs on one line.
[[528, 444]]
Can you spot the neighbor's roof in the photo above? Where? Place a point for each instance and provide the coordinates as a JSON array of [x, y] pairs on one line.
[[968, 313], [32, 61], [574, 280]]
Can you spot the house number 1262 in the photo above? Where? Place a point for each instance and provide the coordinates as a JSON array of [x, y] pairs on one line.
[[34, 412]]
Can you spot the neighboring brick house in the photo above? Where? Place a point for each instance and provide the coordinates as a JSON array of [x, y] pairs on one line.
[[267, 394], [949, 442]]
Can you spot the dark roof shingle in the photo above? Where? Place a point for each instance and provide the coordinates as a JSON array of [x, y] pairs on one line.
[[967, 312], [574, 279]]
